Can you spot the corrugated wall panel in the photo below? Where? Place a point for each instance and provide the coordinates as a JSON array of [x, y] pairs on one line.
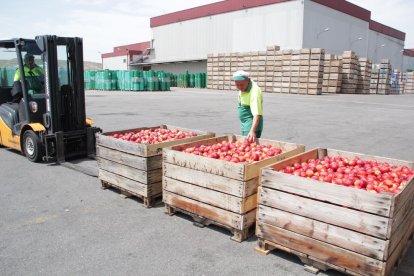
[[251, 29]]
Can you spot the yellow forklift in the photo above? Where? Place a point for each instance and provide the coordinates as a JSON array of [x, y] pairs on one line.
[[43, 115]]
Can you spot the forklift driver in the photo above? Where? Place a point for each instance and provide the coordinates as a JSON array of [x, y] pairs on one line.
[[31, 69]]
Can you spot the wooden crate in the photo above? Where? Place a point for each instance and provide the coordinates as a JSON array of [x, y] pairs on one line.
[[135, 169], [216, 191], [347, 229]]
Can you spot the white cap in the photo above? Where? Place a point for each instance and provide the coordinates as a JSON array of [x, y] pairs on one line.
[[240, 75]]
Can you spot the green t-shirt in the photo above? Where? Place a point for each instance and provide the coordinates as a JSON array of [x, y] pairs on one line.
[[252, 97]]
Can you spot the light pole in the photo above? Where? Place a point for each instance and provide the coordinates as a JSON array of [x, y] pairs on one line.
[[376, 49], [353, 41], [322, 31]]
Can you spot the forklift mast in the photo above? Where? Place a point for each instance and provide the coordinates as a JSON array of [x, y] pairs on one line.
[[67, 134]]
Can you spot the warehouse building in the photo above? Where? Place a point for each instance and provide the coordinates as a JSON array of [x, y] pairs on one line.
[[122, 56], [182, 40]]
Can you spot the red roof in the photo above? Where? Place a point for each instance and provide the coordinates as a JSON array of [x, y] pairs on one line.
[[130, 49], [235, 5], [408, 52]]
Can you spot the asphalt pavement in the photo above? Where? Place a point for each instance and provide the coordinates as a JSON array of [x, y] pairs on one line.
[[55, 220]]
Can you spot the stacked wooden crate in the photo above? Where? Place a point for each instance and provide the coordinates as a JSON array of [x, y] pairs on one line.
[[135, 169], [364, 76], [374, 79], [261, 69], [227, 76], [332, 75], [210, 71], [294, 72], [214, 65], [409, 83], [316, 63], [333, 226], [286, 71], [278, 73], [215, 191], [254, 61], [247, 57], [270, 67], [384, 77], [234, 66], [304, 64], [221, 70], [286, 60], [350, 73]]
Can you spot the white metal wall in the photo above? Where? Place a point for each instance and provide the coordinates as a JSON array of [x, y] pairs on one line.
[[246, 30], [344, 30], [115, 63], [382, 46], [408, 63]]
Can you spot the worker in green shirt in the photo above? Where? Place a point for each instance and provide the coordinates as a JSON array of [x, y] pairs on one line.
[[250, 106], [30, 68]]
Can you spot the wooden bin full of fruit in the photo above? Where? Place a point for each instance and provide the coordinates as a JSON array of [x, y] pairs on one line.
[[131, 160], [215, 180], [335, 209]]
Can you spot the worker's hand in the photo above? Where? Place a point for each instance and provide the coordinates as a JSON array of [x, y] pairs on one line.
[[251, 138]]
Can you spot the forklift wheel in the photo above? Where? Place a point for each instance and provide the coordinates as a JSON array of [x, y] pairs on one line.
[[32, 147]]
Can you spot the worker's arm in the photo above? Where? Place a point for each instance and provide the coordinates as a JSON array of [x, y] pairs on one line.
[[252, 134]]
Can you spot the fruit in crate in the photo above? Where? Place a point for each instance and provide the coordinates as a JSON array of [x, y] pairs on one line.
[[237, 152], [369, 175], [154, 136]]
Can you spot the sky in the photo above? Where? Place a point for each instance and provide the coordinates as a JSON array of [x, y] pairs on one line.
[[104, 24]]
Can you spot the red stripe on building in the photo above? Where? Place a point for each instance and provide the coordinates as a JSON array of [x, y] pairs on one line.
[[380, 28], [208, 10], [346, 7]]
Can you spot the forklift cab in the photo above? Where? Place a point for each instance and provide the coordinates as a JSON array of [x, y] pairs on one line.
[[44, 115]]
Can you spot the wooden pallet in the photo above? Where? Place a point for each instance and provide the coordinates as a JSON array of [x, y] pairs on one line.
[[314, 265], [201, 221], [148, 201], [355, 230]]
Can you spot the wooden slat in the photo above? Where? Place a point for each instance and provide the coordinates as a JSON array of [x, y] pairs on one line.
[[253, 170], [400, 249], [333, 152], [121, 145], [146, 150], [299, 158], [379, 204], [399, 217], [332, 214], [341, 237], [239, 171], [154, 188], [321, 250], [405, 195], [123, 182], [227, 218], [205, 164], [401, 230], [212, 181], [206, 142], [225, 201], [144, 177], [138, 162], [156, 149]]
